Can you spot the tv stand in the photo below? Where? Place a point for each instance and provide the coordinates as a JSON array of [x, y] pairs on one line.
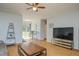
[[63, 43]]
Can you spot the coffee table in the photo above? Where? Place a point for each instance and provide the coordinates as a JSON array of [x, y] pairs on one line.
[[31, 49]]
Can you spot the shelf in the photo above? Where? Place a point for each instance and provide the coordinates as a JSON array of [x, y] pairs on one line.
[[64, 40], [11, 38], [63, 43], [63, 46]]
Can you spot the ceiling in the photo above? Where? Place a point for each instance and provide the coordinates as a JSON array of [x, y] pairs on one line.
[[51, 10]]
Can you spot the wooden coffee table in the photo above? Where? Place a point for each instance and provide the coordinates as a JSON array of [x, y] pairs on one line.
[[31, 49]]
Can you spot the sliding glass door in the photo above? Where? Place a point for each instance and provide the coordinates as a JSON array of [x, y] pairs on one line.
[[26, 32]]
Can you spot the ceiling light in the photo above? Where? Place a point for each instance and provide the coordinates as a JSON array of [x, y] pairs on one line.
[[34, 8]]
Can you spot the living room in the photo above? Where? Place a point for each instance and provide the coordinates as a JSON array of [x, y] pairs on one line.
[[42, 34]]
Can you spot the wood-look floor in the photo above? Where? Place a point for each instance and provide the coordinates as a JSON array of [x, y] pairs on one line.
[[52, 50]]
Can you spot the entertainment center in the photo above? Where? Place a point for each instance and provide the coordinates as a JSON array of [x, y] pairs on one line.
[[63, 37]]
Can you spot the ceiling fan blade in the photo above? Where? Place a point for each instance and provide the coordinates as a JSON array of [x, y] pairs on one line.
[[29, 4], [36, 3], [41, 7], [29, 8]]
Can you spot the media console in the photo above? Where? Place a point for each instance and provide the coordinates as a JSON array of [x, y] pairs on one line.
[[63, 36], [63, 43]]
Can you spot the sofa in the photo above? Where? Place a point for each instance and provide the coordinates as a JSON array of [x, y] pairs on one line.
[[3, 49]]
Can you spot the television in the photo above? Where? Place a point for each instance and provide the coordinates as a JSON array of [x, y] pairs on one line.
[[63, 33]]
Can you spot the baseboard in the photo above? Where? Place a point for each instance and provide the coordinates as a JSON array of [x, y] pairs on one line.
[[75, 50]]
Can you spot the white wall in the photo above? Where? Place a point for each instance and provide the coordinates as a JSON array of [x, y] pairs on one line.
[[43, 29], [69, 19], [5, 19]]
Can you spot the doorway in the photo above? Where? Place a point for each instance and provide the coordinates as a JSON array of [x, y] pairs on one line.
[[26, 31], [44, 29]]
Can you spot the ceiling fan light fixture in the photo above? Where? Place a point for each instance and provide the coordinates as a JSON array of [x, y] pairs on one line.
[[34, 8]]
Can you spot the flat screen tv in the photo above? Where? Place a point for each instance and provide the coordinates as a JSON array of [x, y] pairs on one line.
[[63, 33]]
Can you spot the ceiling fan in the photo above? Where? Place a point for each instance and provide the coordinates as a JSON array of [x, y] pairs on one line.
[[35, 6]]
